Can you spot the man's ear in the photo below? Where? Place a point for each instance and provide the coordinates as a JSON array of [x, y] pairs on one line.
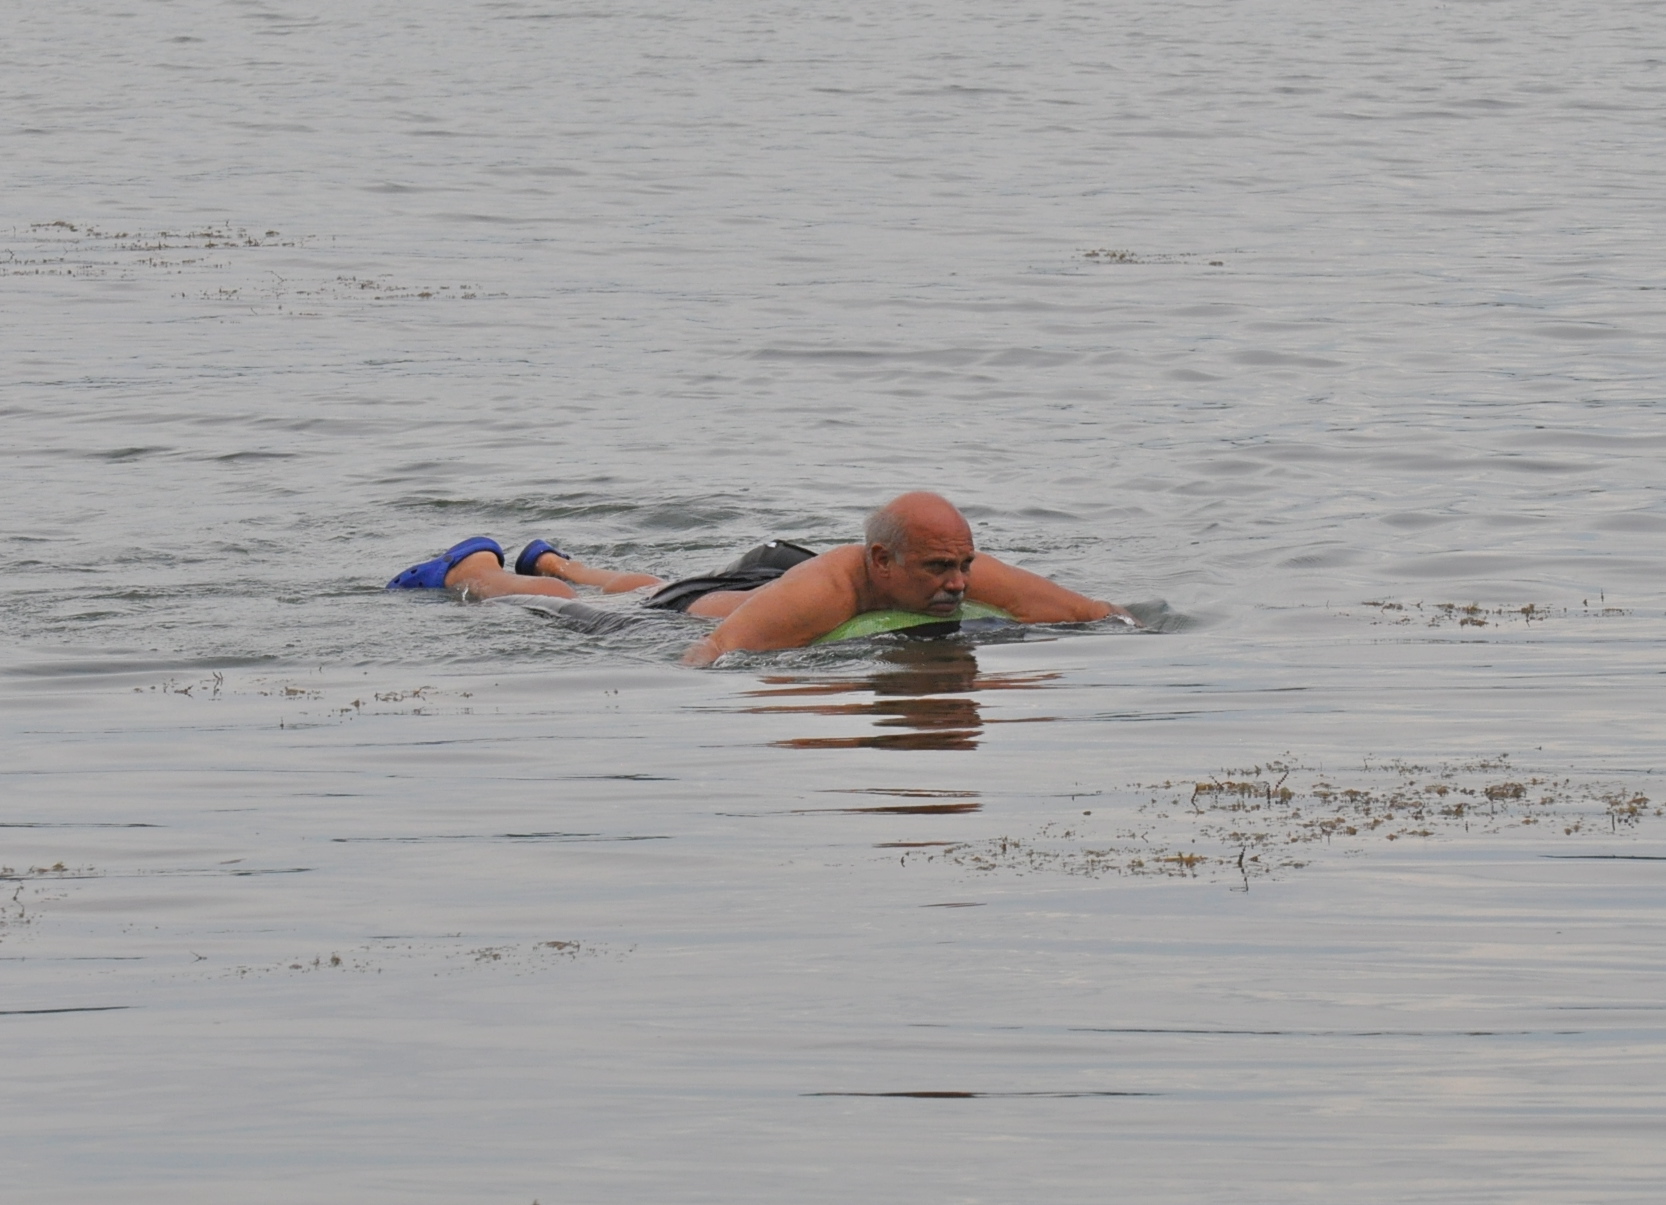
[[880, 557]]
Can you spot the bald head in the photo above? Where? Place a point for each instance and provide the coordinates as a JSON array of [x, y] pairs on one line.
[[913, 520], [919, 555]]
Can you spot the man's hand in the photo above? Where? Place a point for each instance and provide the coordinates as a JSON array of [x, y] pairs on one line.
[[700, 654]]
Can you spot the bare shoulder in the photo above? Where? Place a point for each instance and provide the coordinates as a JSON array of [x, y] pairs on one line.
[[807, 601], [1029, 596], [844, 563]]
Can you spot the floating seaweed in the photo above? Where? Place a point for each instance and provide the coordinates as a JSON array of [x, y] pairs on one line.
[[1280, 817]]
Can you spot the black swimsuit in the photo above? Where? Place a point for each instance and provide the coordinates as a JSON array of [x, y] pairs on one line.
[[750, 570]]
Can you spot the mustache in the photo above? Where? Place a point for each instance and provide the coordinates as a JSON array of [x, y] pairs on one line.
[[947, 596]]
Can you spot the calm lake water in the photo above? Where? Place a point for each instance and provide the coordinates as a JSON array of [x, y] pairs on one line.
[[1333, 340]]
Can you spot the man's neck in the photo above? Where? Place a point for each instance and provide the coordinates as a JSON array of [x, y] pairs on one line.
[[869, 597]]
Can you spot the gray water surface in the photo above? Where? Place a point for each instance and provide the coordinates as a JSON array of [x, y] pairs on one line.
[[1332, 339]]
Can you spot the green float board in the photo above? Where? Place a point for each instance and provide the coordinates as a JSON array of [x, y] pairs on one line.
[[875, 623]]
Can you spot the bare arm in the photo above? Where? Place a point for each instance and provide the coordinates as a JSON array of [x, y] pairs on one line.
[[1031, 597], [807, 601]]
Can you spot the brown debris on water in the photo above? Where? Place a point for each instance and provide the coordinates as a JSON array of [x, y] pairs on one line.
[[1476, 615], [1252, 823], [1122, 255], [232, 266]]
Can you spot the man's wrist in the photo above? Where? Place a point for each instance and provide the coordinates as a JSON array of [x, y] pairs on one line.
[[701, 654]]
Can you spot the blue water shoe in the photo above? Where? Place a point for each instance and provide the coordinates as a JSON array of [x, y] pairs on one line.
[[527, 563], [430, 575]]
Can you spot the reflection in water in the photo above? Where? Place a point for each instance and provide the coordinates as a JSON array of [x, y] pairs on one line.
[[928, 689], [936, 1095], [900, 809]]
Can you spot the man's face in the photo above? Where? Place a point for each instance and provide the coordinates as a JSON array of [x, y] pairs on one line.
[[930, 576]]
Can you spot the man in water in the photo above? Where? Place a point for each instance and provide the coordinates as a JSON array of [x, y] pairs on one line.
[[916, 555]]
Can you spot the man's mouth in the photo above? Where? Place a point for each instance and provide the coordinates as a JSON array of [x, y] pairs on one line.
[[944, 602]]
